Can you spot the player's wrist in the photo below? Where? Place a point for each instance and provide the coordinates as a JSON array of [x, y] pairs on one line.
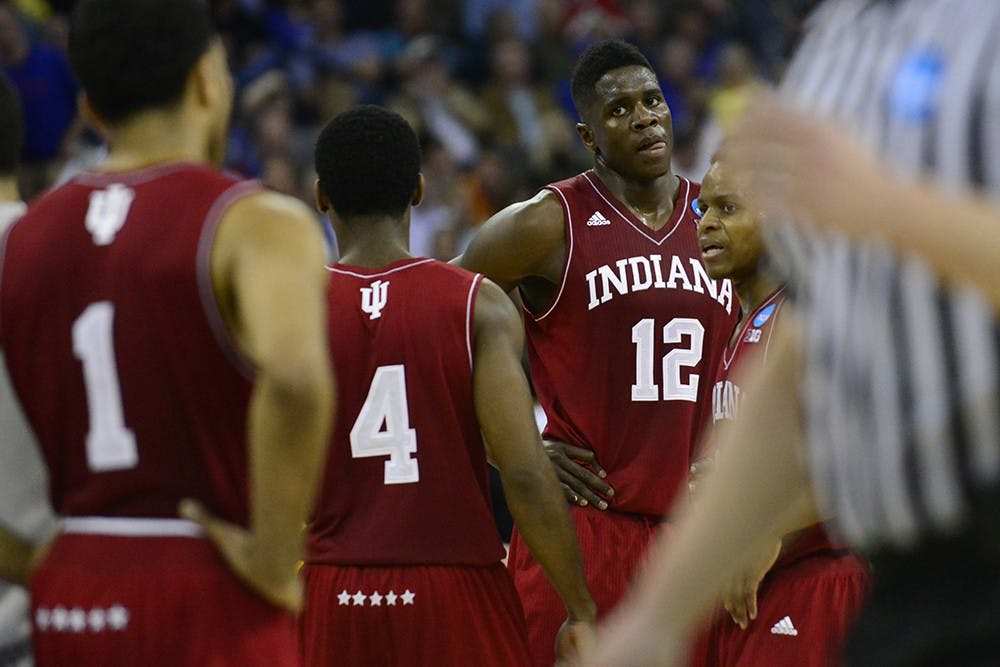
[[584, 611]]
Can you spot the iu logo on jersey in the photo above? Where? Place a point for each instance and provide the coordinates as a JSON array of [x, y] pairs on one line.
[[107, 212], [373, 298]]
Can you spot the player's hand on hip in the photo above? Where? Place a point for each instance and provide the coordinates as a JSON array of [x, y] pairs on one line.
[[699, 472], [740, 597], [581, 475], [247, 559], [574, 639]]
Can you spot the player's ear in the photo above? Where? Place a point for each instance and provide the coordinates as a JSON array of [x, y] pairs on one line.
[[587, 136], [418, 193], [89, 115], [322, 203]]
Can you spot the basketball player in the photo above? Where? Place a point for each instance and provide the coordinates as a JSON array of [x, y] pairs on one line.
[[815, 589], [884, 406], [404, 562], [165, 334], [624, 327]]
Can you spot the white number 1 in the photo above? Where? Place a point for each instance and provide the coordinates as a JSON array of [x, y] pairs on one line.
[[386, 406], [674, 389], [110, 444]]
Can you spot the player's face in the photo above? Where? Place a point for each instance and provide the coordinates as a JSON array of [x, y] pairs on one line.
[[631, 123], [729, 230]]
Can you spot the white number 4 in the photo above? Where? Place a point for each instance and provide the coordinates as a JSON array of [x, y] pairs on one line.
[[674, 389], [383, 426]]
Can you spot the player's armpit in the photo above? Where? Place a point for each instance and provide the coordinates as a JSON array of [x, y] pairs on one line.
[[504, 409], [524, 240], [268, 270]]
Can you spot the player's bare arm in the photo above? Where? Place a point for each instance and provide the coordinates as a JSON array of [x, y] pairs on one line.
[[524, 246], [756, 494], [269, 276], [503, 407]]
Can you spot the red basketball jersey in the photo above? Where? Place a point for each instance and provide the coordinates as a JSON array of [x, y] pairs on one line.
[[623, 358], [406, 482], [754, 338], [116, 347]]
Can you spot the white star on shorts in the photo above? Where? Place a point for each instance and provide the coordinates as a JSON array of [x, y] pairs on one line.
[[390, 599], [408, 597], [344, 598], [359, 599]]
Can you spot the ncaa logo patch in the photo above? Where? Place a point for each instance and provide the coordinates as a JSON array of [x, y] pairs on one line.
[[764, 315], [912, 95]]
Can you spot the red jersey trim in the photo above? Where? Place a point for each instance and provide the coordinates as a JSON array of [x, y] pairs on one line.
[[568, 227], [3, 255], [470, 314], [638, 225], [203, 270], [729, 354], [361, 272], [134, 176]]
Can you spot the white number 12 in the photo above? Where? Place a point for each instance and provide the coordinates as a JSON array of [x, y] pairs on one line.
[[110, 444], [386, 405], [674, 389]]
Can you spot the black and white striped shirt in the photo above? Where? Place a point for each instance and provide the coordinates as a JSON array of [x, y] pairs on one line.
[[901, 390]]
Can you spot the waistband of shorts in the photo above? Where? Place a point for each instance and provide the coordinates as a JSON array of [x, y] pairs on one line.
[[130, 527]]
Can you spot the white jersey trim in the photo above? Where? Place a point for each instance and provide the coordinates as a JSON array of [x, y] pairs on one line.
[[680, 218], [476, 280], [130, 527], [568, 225], [345, 272]]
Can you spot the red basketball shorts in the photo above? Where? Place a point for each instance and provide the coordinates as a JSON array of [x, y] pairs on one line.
[[411, 616], [804, 611], [156, 601], [613, 547]]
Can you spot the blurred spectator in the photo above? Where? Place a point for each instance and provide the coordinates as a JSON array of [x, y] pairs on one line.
[[48, 92], [517, 108], [435, 104]]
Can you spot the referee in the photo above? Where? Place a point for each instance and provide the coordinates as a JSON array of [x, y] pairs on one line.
[[885, 408]]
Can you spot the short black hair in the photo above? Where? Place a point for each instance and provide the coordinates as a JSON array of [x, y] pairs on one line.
[[134, 55], [599, 59], [11, 127], [368, 162]]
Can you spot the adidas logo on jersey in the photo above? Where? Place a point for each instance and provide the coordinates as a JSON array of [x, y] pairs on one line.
[[784, 627], [597, 220]]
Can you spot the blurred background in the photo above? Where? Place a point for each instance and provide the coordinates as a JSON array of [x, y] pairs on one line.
[[484, 82]]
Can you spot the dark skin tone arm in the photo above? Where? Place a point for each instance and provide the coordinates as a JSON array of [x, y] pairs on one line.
[[524, 246], [504, 410]]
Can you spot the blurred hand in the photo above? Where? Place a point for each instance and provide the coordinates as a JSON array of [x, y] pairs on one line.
[[573, 640], [631, 638], [808, 170], [581, 475], [699, 472], [245, 557], [740, 597]]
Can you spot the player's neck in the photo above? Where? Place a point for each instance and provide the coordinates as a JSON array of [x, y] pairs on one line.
[[155, 137], [372, 242], [652, 201], [753, 290], [9, 192]]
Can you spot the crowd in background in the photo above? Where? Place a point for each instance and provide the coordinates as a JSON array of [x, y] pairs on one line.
[[484, 82]]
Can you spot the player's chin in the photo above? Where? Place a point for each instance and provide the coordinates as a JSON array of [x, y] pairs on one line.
[[716, 267]]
